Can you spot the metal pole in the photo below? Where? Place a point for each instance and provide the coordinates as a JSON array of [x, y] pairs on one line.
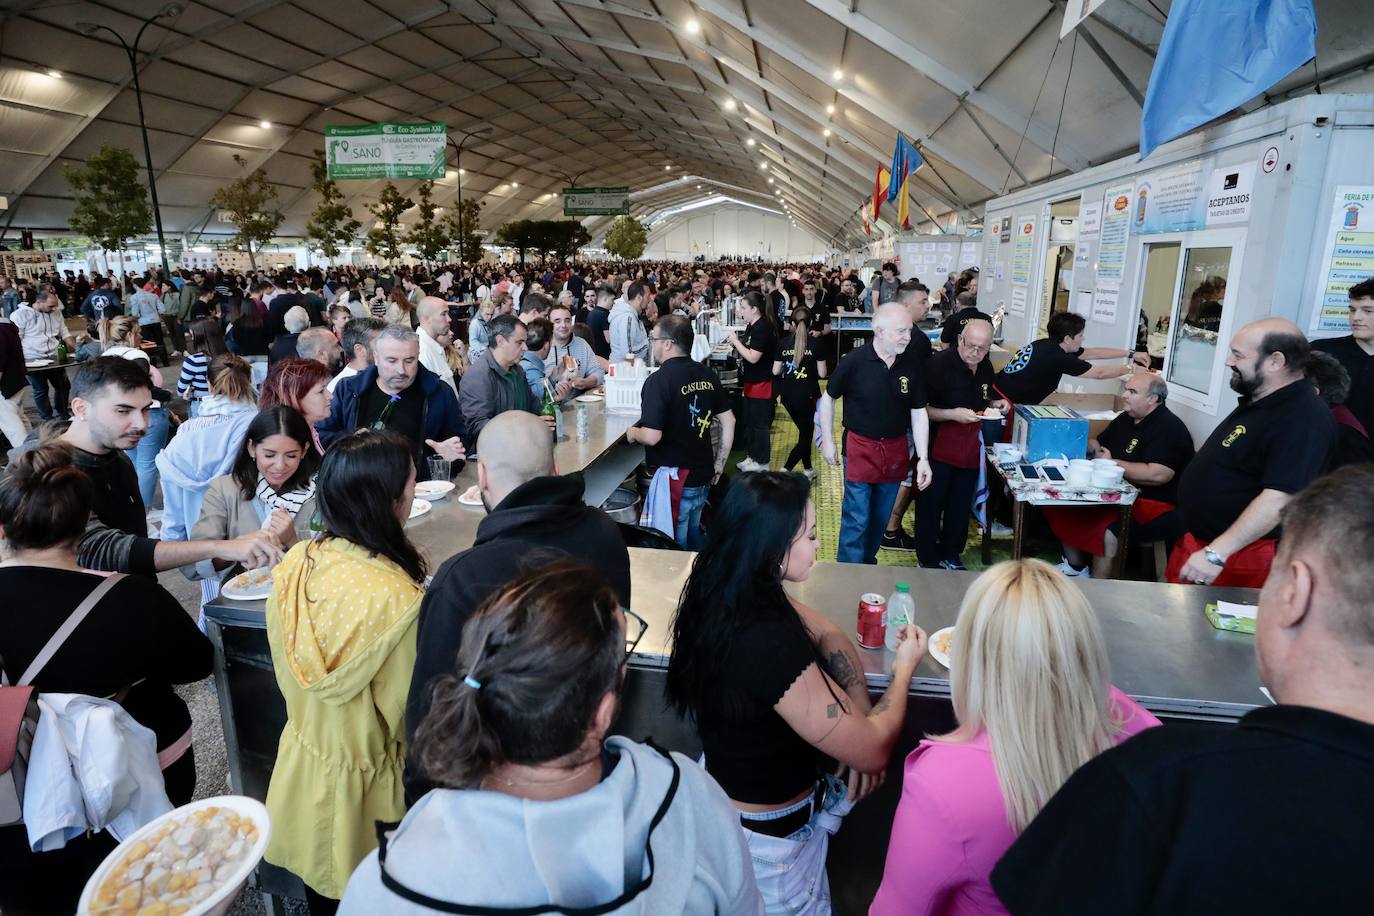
[[462, 231]]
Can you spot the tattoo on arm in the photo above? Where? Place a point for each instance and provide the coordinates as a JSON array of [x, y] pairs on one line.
[[881, 707], [833, 711], [839, 667]]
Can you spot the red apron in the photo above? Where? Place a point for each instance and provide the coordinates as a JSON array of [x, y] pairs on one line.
[[759, 391], [957, 444], [1085, 527], [875, 460], [1246, 568]]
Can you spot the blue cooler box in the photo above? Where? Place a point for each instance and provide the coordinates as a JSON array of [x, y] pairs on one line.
[[1049, 431]]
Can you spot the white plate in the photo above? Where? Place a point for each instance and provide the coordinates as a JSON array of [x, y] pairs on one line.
[[434, 489], [420, 507], [467, 500], [37, 363], [246, 592], [588, 398], [941, 657], [223, 897]]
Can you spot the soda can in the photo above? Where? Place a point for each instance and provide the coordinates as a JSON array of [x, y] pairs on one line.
[[871, 628]]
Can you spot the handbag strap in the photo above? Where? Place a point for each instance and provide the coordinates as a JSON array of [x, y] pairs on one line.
[[71, 623]]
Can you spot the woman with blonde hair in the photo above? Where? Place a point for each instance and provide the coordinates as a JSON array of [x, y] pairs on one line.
[[478, 338], [1030, 683], [399, 310]]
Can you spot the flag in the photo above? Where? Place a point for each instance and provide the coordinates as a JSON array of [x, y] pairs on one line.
[[880, 190], [903, 200], [906, 158], [1214, 56], [868, 230]]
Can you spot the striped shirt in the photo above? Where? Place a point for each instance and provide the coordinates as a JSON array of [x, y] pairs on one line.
[[193, 382]]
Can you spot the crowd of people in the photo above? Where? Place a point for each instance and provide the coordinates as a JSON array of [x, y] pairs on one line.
[[477, 708]]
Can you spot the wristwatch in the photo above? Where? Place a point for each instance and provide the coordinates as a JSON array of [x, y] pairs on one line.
[[1213, 557]]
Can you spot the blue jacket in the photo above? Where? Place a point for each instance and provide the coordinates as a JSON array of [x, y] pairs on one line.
[[440, 419]]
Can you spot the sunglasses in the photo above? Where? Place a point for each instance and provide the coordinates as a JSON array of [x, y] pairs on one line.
[[641, 626]]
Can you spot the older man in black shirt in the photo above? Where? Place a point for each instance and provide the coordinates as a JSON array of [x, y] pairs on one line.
[[885, 401], [1274, 815], [914, 296], [1279, 439]]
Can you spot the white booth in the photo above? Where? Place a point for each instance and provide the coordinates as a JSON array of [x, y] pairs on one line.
[[1269, 214]]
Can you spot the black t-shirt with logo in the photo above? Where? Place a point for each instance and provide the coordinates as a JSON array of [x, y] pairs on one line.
[[800, 377], [878, 398], [950, 384], [680, 400], [1158, 438], [954, 325], [1034, 372], [758, 336], [1283, 441]]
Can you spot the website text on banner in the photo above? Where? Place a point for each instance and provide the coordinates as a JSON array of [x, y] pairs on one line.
[[369, 151]]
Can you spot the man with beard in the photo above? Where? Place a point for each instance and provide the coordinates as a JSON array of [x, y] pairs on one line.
[[533, 513], [322, 346], [1279, 439]]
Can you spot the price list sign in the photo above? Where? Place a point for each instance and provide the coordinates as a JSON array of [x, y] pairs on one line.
[[1348, 256]]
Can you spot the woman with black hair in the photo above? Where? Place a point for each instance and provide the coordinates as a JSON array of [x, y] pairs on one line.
[[538, 809], [755, 350], [341, 621], [775, 688]]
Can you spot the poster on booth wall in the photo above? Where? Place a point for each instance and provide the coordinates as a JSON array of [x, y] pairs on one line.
[[1171, 200], [1347, 257], [1023, 252], [1018, 300], [1116, 231], [1104, 305], [1228, 194]]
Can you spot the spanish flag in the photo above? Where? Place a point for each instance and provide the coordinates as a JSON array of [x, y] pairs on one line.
[[903, 202], [880, 189]]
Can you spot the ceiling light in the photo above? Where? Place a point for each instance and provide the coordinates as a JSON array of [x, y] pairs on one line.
[[749, 142], [770, 181], [763, 166], [462, 171], [693, 26], [730, 105], [55, 74], [838, 74], [698, 187], [667, 168], [830, 109], [264, 124], [826, 132], [515, 184]]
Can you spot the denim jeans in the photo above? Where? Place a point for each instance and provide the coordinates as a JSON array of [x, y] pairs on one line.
[[687, 532], [863, 516], [62, 386], [144, 455], [790, 871]]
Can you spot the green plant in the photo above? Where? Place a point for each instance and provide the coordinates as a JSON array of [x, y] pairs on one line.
[[247, 201], [627, 238], [519, 234], [111, 202], [332, 224], [384, 238], [428, 235], [462, 226]]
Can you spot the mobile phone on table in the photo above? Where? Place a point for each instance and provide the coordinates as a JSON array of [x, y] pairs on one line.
[[1029, 472], [1053, 473]]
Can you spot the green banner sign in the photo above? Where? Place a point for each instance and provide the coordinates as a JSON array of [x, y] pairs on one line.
[[596, 201], [368, 151]]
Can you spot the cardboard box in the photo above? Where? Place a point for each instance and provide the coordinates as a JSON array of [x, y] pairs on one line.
[[1086, 404], [1049, 431]]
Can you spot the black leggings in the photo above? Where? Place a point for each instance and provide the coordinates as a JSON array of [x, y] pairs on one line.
[[758, 420], [802, 410]]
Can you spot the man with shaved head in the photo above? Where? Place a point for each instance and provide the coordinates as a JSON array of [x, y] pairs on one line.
[[533, 514], [322, 346], [436, 335], [1279, 439]]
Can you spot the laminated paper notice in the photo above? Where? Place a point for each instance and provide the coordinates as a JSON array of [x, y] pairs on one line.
[[1347, 256], [1023, 252], [1116, 231], [1104, 305], [1018, 300]]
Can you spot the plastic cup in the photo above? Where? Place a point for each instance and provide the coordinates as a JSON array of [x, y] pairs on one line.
[[439, 468]]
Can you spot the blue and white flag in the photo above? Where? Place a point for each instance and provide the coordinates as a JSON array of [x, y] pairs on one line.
[[1216, 54]]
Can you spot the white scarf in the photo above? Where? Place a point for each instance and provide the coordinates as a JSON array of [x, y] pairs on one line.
[[291, 501]]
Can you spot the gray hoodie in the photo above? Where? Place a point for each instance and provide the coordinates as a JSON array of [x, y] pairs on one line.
[[658, 830]]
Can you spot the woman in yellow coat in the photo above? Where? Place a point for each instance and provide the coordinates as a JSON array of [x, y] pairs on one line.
[[341, 622]]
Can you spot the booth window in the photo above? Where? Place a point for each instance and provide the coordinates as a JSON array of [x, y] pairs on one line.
[[1182, 305]]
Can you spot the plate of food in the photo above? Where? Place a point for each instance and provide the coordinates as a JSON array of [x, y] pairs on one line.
[[434, 489], [472, 496], [193, 859], [941, 643], [420, 507], [589, 398], [37, 363], [253, 585]]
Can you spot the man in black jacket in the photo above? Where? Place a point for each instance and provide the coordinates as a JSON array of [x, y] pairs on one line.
[[531, 510]]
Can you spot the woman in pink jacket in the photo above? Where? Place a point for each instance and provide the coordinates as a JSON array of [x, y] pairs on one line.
[[1032, 694]]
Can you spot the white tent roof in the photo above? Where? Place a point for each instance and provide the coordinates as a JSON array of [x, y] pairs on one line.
[[660, 95]]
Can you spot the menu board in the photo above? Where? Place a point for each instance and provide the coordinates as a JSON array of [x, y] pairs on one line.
[[31, 264], [1116, 231], [1347, 256], [1023, 252]]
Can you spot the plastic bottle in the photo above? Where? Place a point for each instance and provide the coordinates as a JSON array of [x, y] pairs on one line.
[[583, 430], [901, 612]]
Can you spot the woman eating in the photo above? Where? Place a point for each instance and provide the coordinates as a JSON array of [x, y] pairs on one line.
[[341, 621], [775, 688], [1032, 694]]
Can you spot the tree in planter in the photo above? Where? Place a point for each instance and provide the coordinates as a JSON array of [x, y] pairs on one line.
[[332, 224], [247, 201], [384, 239], [626, 238], [462, 226], [520, 234], [429, 235], [565, 236], [111, 202]]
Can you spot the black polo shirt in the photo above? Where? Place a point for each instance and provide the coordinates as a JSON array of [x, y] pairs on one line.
[[1034, 372], [800, 377], [1157, 438], [950, 383], [954, 324], [1283, 441], [1359, 365], [1273, 815], [878, 398], [680, 400], [758, 336], [920, 345], [599, 322]]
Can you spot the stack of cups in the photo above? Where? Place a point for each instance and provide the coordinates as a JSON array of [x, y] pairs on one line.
[[1080, 473]]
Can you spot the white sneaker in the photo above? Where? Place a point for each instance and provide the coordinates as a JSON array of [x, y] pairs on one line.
[[748, 464], [810, 473], [1068, 570], [1000, 530], [760, 467]]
